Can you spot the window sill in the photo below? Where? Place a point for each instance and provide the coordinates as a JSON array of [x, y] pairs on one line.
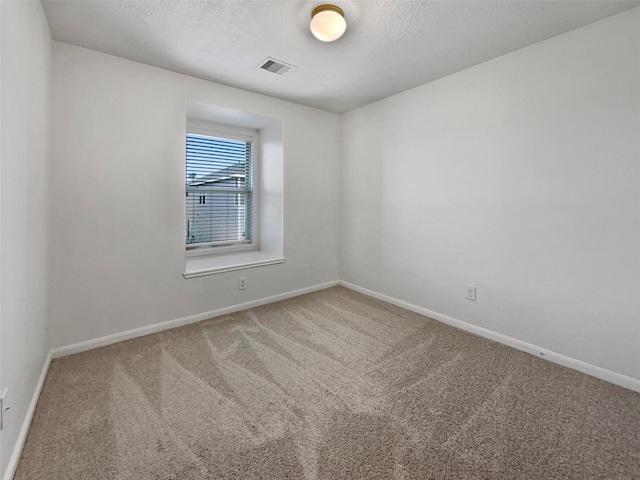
[[201, 266]]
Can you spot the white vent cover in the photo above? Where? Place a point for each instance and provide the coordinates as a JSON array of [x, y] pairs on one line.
[[275, 66]]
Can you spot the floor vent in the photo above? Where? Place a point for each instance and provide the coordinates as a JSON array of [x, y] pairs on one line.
[[275, 66]]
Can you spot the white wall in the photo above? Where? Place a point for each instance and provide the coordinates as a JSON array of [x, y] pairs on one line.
[[521, 176], [26, 74], [117, 196]]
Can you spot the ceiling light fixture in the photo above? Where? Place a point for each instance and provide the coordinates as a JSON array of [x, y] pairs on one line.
[[327, 23]]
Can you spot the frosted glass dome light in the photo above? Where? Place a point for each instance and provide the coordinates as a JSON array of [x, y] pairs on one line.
[[327, 23]]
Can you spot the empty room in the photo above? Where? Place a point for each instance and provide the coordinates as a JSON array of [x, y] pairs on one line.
[[306, 240]]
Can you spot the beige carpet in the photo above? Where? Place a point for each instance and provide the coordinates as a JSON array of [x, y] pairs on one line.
[[328, 385]]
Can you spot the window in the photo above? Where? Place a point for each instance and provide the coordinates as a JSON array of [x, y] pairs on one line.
[[219, 192]]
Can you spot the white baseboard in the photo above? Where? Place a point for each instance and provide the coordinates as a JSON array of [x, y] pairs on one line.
[[158, 327], [580, 366], [24, 430]]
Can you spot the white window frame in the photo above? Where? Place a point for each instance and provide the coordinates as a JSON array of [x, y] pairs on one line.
[[234, 133]]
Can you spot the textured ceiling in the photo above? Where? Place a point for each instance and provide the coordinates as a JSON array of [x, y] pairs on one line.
[[389, 46]]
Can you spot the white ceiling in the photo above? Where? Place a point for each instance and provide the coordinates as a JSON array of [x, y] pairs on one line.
[[389, 46]]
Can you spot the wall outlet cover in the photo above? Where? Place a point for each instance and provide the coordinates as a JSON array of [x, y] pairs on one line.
[[471, 292]]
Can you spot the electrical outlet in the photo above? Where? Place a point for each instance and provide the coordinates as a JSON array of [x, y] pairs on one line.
[[471, 293], [242, 284], [4, 408]]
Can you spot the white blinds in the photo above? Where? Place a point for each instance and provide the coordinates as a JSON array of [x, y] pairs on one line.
[[219, 188]]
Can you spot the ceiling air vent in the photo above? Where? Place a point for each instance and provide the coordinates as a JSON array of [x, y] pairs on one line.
[[275, 66]]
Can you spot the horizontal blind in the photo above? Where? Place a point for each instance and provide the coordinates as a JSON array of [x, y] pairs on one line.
[[219, 190]]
